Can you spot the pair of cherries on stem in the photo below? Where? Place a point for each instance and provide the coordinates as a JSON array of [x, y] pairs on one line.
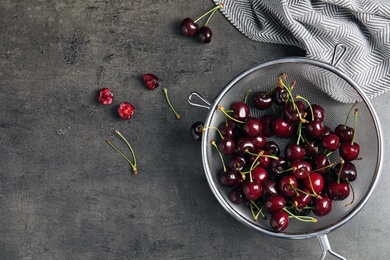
[[190, 27]]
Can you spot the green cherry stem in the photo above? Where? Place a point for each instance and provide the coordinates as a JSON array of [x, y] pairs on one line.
[[223, 110], [301, 218], [213, 10], [170, 105], [213, 143]]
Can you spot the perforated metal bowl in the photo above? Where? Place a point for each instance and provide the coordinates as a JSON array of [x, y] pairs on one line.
[[322, 84]]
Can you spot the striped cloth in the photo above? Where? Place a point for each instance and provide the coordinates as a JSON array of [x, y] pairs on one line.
[[317, 26]]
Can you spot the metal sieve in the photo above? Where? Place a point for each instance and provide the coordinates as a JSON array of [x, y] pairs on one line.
[[320, 83]]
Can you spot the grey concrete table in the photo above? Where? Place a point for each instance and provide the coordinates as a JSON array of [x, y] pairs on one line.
[[65, 194]]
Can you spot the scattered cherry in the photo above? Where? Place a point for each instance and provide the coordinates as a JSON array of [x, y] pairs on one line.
[[150, 81], [105, 96], [279, 221], [126, 110], [196, 130], [188, 27]]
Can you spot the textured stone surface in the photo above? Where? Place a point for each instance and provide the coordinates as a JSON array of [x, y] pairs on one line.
[[65, 194]]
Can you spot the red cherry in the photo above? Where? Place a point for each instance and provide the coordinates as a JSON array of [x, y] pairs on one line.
[[105, 96], [279, 221], [266, 125], [188, 27], [320, 163], [262, 100], [315, 128], [252, 190], [294, 152], [237, 162], [346, 170], [151, 81], [280, 96], [301, 169], [302, 198], [330, 142], [322, 206], [349, 151], [274, 204], [292, 113], [205, 34], [282, 128], [259, 174], [269, 188], [230, 178], [253, 127], [318, 113], [287, 185], [226, 146], [240, 110], [337, 190], [344, 132], [237, 196], [314, 182], [126, 110]]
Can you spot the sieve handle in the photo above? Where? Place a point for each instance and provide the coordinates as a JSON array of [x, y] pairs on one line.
[[194, 95], [325, 246], [338, 53]]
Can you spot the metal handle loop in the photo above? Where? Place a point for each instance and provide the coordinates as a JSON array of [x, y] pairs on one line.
[[206, 103], [338, 53], [325, 246]]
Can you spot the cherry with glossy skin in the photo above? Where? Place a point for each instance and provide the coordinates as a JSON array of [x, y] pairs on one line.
[[280, 96], [344, 132], [269, 188], [349, 151], [287, 185], [345, 171], [274, 204], [322, 205], [259, 142], [188, 27], [150, 81], [262, 100], [252, 190], [205, 34], [320, 163], [272, 148], [230, 178], [228, 129], [278, 167], [252, 127], [315, 128], [330, 142], [337, 190], [311, 147], [105, 96], [294, 152], [237, 162], [226, 146], [240, 110], [244, 144], [237, 196], [327, 131], [302, 198], [279, 221], [196, 130], [282, 128], [126, 110], [293, 113], [263, 160], [301, 169], [318, 113], [259, 174], [314, 182]]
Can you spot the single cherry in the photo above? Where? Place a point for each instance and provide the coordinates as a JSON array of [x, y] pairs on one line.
[[330, 142], [274, 204], [282, 128], [301, 169], [253, 127], [105, 96], [259, 174], [318, 113], [279, 221], [349, 151], [344, 132], [302, 198], [237, 196], [237, 162], [240, 110], [272, 148], [230, 178], [205, 34], [188, 27], [345, 171], [228, 129], [270, 188], [314, 182], [315, 128], [278, 167], [287, 185], [126, 110], [226, 146], [280, 96], [337, 190], [262, 100], [150, 81], [293, 113], [252, 190], [322, 205], [196, 130], [294, 151], [320, 163], [244, 144]]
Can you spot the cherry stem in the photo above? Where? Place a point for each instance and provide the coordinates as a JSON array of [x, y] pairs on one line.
[[301, 218], [213, 10], [353, 194], [349, 114], [220, 154], [169, 103], [341, 168], [133, 165], [247, 96], [354, 125], [308, 103], [229, 116], [323, 168], [215, 128], [299, 132], [261, 153], [259, 211]]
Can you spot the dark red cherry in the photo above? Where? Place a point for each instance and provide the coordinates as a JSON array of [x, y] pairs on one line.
[[314, 182], [105, 96], [301, 169], [280, 96], [327, 130], [337, 190], [274, 204], [292, 113], [349, 151], [320, 163], [226, 146], [244, 144], [294, 151], [197, 130], [282, 128], [205, 34], [287, 185], [269, 188], [240, 110], [253, 127], [259, 142], [346, 170], [230, 178], [150, 81], [262, 100], [302, 198], [228, 129], [345, 133], [318, 113], [279, 221], [259, 174], [267, 129], [237, 196], [188, 27], [322, 205], [330, 142], [272, 148], [278, 167], [263, 160], [315, 128], [252, 190], [237, 162]]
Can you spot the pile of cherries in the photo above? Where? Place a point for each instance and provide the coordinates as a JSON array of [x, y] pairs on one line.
[[291, 181]]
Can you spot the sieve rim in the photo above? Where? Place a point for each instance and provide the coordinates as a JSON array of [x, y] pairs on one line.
[[227, 205]]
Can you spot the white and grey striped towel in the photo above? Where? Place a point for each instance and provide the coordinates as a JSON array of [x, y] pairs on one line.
[[317, 26]]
